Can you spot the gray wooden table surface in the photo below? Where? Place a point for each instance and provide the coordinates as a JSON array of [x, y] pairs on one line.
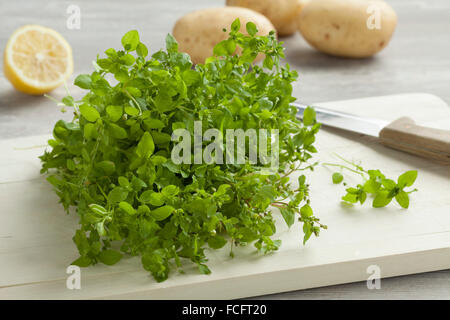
[[417, 60]]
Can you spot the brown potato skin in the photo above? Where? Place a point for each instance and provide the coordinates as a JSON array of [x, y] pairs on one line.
[[198, 32], [282, 13], [339, 28]]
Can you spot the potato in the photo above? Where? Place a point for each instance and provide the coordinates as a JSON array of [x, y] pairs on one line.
[[351, 28], [198, 32], [282, 13]]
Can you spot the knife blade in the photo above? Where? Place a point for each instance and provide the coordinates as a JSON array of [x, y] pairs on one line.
[[402, 134], [345, 121]]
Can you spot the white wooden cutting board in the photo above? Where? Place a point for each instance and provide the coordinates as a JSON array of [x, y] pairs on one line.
[[36, 245]]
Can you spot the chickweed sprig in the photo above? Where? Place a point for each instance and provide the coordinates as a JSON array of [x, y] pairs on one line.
[[382, 189]]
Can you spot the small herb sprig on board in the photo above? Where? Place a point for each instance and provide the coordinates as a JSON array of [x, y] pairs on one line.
[[112, 162], [382, 189]]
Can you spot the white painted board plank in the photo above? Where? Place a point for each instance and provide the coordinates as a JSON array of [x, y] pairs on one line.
[[36, 245]]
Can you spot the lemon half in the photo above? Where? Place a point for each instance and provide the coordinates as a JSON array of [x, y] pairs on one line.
[[37, 59]]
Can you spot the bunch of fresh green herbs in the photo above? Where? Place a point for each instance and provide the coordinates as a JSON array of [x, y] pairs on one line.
[[112, 161]]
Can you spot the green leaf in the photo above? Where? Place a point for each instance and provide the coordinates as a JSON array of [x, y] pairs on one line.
[[222, 190], [137, 184], [217, 242], [381, 200], [110, 257], [90, 131], [157, 160], [98, 209], [144, 210], [130, 40], [268, 62], [407, 179], [236, 25], [162, 213], [388, 183], [251, 28], [306, 211], [402, 199], [371, 186], [160, 137], [70, 164], [125, 206], [337, 178], [225, 47], [170, 191], [145, 146], [288, 216], [154, 124], [117, 195], [123, 182], [156, 199], [376, 175], [301, 180], [307, 230], [108, 167], [190, 77], [68, 101], [362, 197], [111, 52], [132, 111], [128, 60], [114, 112], [89, 113], [309, 116], [82, 262], [171, 44], [83, 81], [349, 197], [203, 268], [141, 50], [122, 75], [117, 131], [146, 196], [82, 242]]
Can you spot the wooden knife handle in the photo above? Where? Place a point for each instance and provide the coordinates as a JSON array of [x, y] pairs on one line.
[[405, 135]]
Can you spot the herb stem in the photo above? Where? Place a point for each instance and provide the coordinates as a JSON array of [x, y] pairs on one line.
[[133, 99], [326, 164]]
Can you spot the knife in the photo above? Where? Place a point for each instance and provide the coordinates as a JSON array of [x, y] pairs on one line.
[[402, 134]]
